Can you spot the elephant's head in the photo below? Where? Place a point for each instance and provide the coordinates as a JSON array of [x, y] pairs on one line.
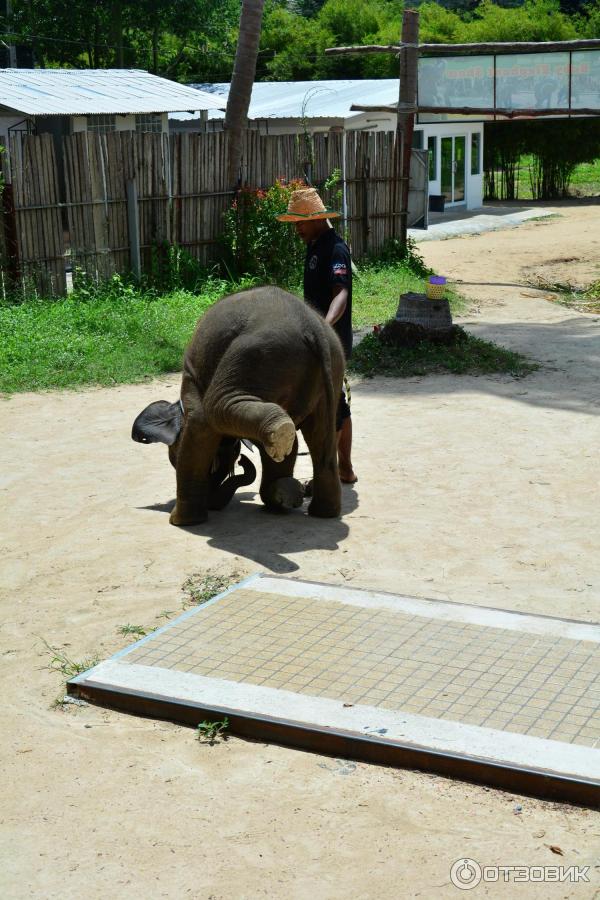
[[161, 423]]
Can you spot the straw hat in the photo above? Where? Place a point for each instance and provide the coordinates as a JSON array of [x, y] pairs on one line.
[[305, 204]]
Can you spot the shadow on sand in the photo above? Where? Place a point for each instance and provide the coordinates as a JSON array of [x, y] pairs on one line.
[[567, 351], [245, 528]]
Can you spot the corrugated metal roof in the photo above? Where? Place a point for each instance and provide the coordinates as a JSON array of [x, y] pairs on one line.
[[50, 92], [313, 99]]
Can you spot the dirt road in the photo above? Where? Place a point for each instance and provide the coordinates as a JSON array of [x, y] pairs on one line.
[[479, 490]]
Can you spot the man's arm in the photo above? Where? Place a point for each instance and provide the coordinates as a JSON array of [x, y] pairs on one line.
[[337, 306]]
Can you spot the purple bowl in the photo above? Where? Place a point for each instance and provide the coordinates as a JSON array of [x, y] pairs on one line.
[[437, 279]]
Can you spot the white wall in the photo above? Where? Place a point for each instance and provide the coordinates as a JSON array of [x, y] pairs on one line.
[[263, 126], [473, 183], [122, 122]]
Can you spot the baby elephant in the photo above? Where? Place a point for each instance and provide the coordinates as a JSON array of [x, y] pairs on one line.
[[260, 365]]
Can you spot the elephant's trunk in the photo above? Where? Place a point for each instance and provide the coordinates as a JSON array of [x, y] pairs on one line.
[[221, 495]]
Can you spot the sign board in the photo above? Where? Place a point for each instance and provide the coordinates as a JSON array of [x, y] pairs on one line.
[[536, 81]]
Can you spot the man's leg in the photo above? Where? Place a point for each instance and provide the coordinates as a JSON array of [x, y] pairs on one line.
[[344, 442]]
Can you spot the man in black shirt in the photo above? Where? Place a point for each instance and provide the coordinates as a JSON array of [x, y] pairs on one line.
[[328, 288]]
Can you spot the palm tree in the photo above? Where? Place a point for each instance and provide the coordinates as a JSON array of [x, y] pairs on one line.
[[240, 91]]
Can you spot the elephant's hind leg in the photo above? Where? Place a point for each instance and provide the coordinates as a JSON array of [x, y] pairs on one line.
[[320, 436]]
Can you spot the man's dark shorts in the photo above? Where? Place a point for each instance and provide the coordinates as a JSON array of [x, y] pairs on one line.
[[343, 412]]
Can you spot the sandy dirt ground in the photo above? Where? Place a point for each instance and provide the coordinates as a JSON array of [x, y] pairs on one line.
[[480, 490]]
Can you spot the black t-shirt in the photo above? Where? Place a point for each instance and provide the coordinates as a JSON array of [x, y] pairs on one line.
[[327, 263]]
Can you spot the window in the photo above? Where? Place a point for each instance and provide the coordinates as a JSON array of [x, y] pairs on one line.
[[149, 122], [475, 153], [432, 147], [101, 124], [417, 141]]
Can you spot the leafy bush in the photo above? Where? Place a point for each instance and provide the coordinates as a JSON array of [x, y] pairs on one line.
[[533, 20], [193, 41], [173, 268], [292, 44], [255, 243]]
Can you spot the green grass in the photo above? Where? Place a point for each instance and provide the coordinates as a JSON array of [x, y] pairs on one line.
[[585, 181], [376, 292], [136, 631], [117, 333], [470, 356], [203, 586], [583, 300], [68, 667], [586, 178], [111, 336], [209, 732]]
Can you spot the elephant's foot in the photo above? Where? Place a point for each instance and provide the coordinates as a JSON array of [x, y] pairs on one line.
[[283, 493], [325, 509], [187, 514], [279, 440]]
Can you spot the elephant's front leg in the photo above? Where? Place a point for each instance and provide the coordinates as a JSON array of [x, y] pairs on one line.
[[198, 446], [278, 488]]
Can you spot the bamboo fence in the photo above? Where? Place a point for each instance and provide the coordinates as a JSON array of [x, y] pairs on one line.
[[37, 231], [71, 209]]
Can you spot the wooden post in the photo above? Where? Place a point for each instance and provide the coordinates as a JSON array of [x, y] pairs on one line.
[[407, 104], [366, 175], [10, 234], [133, 224]]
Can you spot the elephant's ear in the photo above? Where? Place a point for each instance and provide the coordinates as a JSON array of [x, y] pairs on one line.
[[159, 422]]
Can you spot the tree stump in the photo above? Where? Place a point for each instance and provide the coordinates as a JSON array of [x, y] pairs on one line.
[[433, 315]]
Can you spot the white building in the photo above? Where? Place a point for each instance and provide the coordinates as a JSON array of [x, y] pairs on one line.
[[66, 101], [456, 148], [455, 161]]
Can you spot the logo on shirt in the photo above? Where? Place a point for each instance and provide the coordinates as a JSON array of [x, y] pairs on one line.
[[339, 268], [312, 263]]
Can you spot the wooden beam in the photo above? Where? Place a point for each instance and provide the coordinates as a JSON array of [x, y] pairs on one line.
[[513, 47], [365, 48], [386, 109], [509, 113], [407, 105], [500, 47], [485, 111]]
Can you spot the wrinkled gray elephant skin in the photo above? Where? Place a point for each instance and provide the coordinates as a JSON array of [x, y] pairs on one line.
[[261, 365]]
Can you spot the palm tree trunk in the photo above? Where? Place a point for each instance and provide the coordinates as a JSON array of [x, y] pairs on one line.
[[240, 91]]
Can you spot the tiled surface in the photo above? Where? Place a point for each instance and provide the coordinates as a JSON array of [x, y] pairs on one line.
[[541, 685]]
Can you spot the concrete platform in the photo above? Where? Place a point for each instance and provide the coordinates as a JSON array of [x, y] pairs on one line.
[[459, 221], [481, 694]]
